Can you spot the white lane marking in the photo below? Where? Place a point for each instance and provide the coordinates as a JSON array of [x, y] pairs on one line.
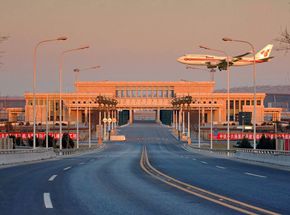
[[52, 178], [203, 162], [47, 200], [82, 163], [194, 159], [220, 167], [67, 168], [251, 174]]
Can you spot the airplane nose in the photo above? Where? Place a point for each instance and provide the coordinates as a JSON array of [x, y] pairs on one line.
[[180, 59]]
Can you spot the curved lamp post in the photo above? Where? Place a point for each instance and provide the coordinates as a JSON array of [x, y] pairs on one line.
[[60, 89], [254, 81], [34, 82], [77, 71], [228, 94]]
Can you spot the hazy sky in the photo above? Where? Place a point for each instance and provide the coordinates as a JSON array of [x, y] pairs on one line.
[[136, 40]]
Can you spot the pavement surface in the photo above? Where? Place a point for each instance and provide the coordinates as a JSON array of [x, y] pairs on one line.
[[112, 182]]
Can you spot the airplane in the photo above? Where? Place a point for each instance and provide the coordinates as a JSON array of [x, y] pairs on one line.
[[220, 62]]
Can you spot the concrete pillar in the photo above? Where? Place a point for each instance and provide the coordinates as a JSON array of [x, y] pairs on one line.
[[202, 116], [173, 119], [86, 115], [220, 115], [131, 116], [158, 115], [183, 122]]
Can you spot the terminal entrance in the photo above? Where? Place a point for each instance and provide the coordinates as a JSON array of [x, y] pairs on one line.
[[144, 115]]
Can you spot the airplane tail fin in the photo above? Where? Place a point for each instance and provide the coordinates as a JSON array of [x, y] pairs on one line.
[[264, 54]]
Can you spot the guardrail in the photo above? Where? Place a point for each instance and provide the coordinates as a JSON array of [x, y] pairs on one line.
[[77, 151], [264, 151], [230, 152], [19, 151]]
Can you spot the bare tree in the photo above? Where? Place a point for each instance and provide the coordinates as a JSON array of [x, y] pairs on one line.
[[284, 41]]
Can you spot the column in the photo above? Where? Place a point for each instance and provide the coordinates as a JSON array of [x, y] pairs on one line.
[[131, 116], [158, 115], [183, 122], [173, 119], [202, 116], [86, 115]]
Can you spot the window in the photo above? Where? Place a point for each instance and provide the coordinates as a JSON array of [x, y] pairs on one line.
[[237, 102], [166, 93], [144, 93], [248, 102], [127, 93], [154, 93], [231, 104], [133, 93], [160, 93], [258, 102], [149, 93], [138, 93]]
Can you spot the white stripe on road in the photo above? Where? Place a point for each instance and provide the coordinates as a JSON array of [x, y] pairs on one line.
[[82, 163], [47, 200], [194, 159], [251, 174], [52, 178], [67, 168], [220, 167], [203, 162]]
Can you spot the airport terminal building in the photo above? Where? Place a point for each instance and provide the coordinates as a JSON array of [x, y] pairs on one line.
[[145, 100]]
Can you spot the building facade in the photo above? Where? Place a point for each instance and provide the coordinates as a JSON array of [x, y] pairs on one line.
[[135, 97]]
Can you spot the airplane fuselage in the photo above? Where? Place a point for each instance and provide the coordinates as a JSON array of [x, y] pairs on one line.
[[212, 61]]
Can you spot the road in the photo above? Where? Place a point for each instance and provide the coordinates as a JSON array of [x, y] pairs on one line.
[[112, 181]]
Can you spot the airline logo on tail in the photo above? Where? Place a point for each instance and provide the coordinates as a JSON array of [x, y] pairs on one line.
[[265, 52]]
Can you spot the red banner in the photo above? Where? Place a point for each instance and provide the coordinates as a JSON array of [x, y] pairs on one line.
[[41, 135], [250, 136]]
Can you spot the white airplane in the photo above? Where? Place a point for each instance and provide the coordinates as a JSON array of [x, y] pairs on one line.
[[220, 62]]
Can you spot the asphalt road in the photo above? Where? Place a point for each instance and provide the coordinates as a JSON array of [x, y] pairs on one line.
[[112, 182]]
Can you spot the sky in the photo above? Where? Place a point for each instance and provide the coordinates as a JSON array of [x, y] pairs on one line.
[[136, 40]]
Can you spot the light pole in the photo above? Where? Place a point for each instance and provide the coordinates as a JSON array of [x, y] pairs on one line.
[[77, 72], [228, 92], [34, 83], [254, 81], [60, 89]]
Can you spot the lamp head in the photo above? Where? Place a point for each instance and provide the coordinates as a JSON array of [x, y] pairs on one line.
[[204, 47], [76, 70], [62, 38], [84, 47], [227, 39]]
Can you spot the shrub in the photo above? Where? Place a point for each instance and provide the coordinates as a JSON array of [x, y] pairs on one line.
[[244, 143], [67, 142], [266, 143]]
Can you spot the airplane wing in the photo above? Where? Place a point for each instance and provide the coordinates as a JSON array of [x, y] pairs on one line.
[[222, 65], [239, 57]]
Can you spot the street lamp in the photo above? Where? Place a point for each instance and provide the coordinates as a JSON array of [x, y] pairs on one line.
[[254, 81], [228, 93], [77, 71], [34, 83], [60, 89]]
